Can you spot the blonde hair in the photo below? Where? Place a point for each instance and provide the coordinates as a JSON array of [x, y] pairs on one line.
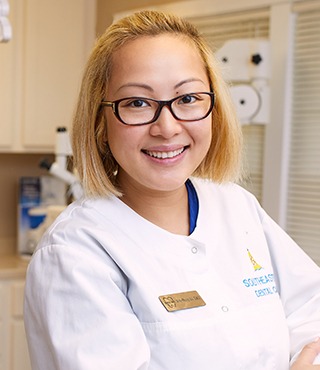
[[92, 157]]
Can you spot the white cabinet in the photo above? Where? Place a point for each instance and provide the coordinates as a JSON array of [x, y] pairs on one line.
[[2, 336], [13, 346], [19, 356], [41, 68], [8, 84]]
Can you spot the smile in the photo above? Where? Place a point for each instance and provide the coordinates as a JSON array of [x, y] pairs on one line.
[[164, 155]]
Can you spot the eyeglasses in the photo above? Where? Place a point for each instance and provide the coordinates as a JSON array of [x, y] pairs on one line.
[[137, 111]]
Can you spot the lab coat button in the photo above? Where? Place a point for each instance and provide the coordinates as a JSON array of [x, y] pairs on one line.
[[194, 250], [224, 308]]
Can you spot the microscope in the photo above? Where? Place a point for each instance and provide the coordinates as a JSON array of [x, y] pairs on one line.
[[40, 216], [59, 168]]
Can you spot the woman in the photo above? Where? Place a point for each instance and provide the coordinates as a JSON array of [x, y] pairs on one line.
[[166, 263]]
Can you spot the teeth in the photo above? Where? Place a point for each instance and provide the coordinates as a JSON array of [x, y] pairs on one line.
[[164, 155]]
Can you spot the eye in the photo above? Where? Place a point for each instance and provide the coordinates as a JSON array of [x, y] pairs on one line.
[[136, 103], [187, 99]]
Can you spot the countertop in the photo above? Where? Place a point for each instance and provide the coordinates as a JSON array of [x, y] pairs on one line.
[[13, 266]]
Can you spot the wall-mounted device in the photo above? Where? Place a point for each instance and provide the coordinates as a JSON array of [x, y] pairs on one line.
[[5, 26], [246, 65]]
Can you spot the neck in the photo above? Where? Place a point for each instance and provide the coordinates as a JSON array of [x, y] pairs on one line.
[[166, 209]]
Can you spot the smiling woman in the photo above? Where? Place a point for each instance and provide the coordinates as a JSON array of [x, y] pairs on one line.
[[181, 125], [165, 263], [113, 81]]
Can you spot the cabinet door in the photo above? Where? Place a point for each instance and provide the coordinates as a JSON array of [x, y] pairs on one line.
[[10, 80], [58, 37], [6, 94], [2, 334], [19, 355]]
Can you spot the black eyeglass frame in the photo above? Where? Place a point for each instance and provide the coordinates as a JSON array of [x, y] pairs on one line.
[[161, 103]]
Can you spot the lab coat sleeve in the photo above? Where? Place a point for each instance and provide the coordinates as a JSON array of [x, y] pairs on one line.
[[77, 316], [298, 281]]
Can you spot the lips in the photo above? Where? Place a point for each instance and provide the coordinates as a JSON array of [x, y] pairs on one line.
[[164, 154]]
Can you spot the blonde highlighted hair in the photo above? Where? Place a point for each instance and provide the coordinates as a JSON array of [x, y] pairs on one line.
[[92, 157]]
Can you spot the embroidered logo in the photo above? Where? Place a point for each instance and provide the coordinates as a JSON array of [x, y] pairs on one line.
[[262, 284], [255, 265]]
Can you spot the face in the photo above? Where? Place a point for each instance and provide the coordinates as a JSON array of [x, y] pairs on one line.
[[159, 156]]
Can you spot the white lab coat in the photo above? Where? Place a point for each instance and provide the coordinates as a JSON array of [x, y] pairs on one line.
[[93, 284]]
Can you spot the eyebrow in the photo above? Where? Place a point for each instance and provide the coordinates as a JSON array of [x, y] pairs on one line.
[[149, 88], [133, 84], [188, 80]]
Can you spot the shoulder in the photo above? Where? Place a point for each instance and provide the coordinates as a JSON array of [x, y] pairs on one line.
[[80, 221], [78, 241], [227, 190], [230, 199]]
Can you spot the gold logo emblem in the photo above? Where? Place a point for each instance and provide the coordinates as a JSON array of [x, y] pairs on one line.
[[255, 265], [181, 301]]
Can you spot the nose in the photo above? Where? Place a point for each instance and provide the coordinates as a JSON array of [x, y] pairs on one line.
[[166, 125]]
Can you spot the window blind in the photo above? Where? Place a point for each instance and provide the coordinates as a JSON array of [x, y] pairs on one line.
[[217, 29], [303, 204]]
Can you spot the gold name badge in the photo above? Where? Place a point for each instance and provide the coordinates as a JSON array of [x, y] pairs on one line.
[[181, 301]]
